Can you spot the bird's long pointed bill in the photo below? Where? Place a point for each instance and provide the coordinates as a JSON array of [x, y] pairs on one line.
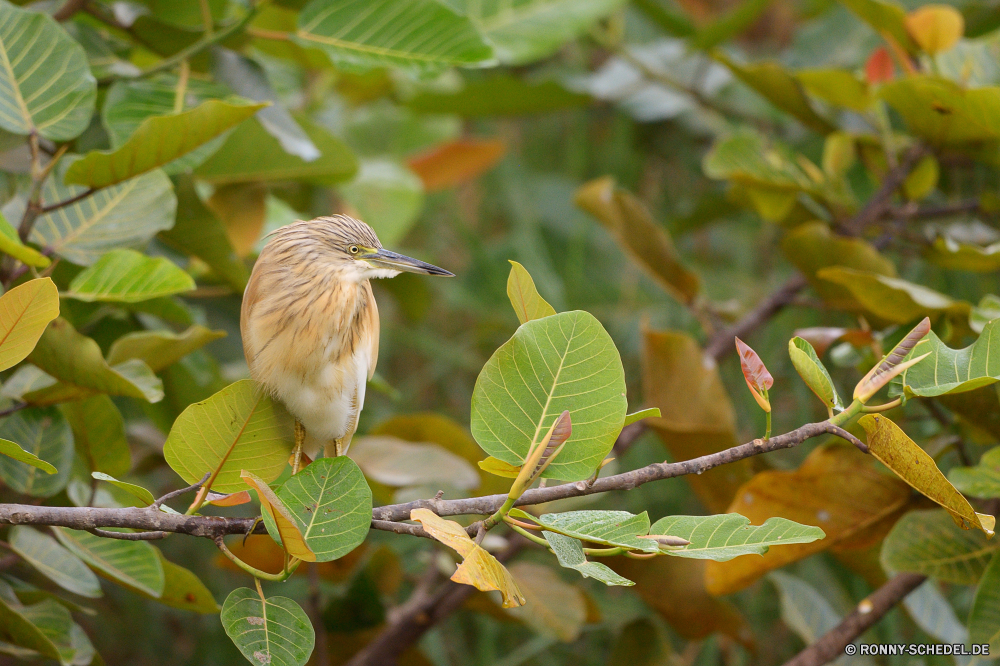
[[400, 262]]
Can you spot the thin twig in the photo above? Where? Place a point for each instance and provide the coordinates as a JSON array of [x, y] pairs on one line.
[[127, 536], [177, 493]]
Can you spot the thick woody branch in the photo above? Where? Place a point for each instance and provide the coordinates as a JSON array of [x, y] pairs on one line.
[[831, 645]]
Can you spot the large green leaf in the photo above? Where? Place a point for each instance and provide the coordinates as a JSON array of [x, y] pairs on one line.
[[942, 111], [417, 34], [949, 370], [134, 564], [723, 537], [123, 215], [238, 428], [43, 433], [76, 361], [397, 463], [45, 83], [930, 543], [569, 552], [127, 276], [610, 528], [160, 349], [99, 434], [158, 141], [983, 480], [563, 362], [53, 561], [25, 312], [525, 30], [984, 618], [893, 299], [12, 450], [272, 632], [933, 613]]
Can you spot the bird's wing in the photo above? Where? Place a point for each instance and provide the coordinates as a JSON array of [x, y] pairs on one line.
[[373, 327], [250, 296]]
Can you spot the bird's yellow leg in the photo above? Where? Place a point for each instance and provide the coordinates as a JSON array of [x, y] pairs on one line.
[[300, 438], [336, 446]]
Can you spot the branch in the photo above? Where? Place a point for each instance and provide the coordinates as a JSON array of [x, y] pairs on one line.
[[831, 645], [881, 200]]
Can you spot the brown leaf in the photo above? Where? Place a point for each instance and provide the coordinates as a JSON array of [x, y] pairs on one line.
[[456, 162], [242, 209], [893, 363], [755, 373]]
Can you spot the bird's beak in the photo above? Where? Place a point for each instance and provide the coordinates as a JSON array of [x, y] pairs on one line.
[[398, 262]]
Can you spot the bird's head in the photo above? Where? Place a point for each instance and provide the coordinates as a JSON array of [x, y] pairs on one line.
[[352, 247]]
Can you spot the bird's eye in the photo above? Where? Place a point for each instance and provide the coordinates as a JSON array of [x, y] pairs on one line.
[[353, 249]]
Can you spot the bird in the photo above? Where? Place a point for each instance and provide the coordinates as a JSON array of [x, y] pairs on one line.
[[310, 324]]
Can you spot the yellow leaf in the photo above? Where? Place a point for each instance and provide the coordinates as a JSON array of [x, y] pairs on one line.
[[291, 536], [499, 468], [935, 28], [25, 311], [888, 443], [478, 568]]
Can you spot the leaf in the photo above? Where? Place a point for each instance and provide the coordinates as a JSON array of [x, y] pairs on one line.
[[935, 28], [288, 530], [641, 643], [930, 543], [943, 112], [529, 30], [893, 363], [11, 244], [814, 373], [729, 25], [184, 590], [912, 464], [632, 225], [478, 568], [238, 428], [456, 162], [53, 561], [127, 276], [757, 377], [134, 564], [242, 208], [983, 480], [836, 86], [499, 468], [25, 312], [569, 552], [160, 349], [609, 528], [382, 33], [726, 536], [892, 299], [43, 433], [388, 196], [99, 434], [12, 450], [17, 627], [984, 618], [837, 488], [271, 632], [554, 608], [803, 609], [158, 141], [886, 18], [76, 360], [948, 253], [138, 492], [635, 417], [922, 180], [332, 505], [47, 84], [932, 613], [499, 95], [563, 362], [949, 370], [528, 303], [395, 462], [879, 67], [126, 215]]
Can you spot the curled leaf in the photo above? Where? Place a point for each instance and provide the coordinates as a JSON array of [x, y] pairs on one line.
[[813, 372], [291, 537], [892, 364], [755, 373]]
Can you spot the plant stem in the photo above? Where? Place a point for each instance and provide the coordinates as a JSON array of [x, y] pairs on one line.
[[604, 552], [528, 535], [256, 573], [500, 514], [873, 409]]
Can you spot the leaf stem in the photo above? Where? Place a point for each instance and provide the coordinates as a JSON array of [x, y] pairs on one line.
[[872, 409], [528, 535], [500, 514], [604, 552], [253, 571]]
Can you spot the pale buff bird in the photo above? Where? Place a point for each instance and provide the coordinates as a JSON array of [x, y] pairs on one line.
[[310, 324]]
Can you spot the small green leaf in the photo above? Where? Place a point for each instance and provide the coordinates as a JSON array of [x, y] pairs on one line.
[[610, 528], [12, 245], [528, 303], [650, 413], [569, 552], [942, 111], [984, 618], [813, 372], [272, 632], [983, 480], [948, 253], [922, 179], [99, 434], [930, 543], [127, 276], [838, 87], [160, 349], [12, 450], [723, 537], [25, 312], [43, 433], [134, 564], [144, 496], [54, 562]]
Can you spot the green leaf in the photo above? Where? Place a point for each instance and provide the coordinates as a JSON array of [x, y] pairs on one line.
[[528, 303], [134, 564], [930, 543], [251, 154], [922, 180], [47, 85], [569, 552], [610, 528], [274, 632], [838, 87], [238, 428], [127, 276], [983, 480], [124, 215], [54, 562], [144, 496], [526, 30], [160, 349], [949, 370], [723, 537], [803, 609], [17, 627], [385, 33], [99, 434], [76, 360], [943, 112], [184, 590], [948, 253], [12, 245], [45, 434], [332, 504], [893, 299], [885, 18], [12, 450], [395, 462], [651, 413], [158, 141], [501, 95], [813, 372], [984, 618], [25, 312], [388, 196], [563, 362]]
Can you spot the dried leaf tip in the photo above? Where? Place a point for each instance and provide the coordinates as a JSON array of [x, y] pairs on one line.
[[892, 365], [755, 373]]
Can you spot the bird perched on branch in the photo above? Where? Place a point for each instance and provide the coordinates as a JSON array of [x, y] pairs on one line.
[[310, 324]]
